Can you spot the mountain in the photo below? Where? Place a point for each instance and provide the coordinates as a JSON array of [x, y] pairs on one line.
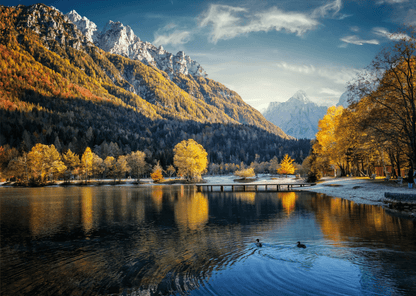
[[58, 87], [298, 116], [119, 39], [181, 69]]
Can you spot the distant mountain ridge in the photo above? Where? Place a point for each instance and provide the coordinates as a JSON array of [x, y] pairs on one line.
[[297, 117]]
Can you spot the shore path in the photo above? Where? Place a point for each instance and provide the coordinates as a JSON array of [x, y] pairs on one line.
[[360, 190]]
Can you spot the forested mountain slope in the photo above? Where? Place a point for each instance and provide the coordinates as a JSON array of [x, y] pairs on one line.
[[56, 87]]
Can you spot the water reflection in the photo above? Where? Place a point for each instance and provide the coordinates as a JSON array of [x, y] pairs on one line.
[[288, 201], [191, 212], [164, 240]]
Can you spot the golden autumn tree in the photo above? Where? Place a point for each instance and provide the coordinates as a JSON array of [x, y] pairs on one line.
[[110, 166], [286, 166], [171, 170], [326, 144], [98, 166], [86, 162], [121, 167], [245, 173], [137, 163], [156, 176], [389, 91], [44, 161], [157, 173], [72, 163], [190, 158]]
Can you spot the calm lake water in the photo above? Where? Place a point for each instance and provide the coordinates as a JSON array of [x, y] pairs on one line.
[[171, 240]]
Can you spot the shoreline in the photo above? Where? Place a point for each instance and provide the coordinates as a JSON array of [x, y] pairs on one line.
[[361, 190]]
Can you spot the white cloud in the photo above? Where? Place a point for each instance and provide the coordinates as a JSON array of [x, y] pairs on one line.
[[392, 1], [383, 32], [169, 35], [331, 92], [324, 10], [354, 39], [355, 29], [339, 75], [228, 22], [304, 69]]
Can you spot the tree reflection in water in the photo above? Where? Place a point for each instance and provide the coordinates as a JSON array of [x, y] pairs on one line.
[[171, 239]]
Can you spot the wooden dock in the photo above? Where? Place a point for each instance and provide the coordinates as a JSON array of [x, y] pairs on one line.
[[250, 187]]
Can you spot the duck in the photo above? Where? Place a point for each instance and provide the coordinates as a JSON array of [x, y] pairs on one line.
[[301, 245], [258, 243]]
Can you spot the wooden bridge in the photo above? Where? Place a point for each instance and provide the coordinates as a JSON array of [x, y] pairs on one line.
[[247, 187]]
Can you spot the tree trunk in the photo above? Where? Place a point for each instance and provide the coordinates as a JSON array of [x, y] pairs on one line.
[[399, 173]]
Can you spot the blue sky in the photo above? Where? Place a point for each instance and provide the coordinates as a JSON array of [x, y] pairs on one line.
[[263, 50]]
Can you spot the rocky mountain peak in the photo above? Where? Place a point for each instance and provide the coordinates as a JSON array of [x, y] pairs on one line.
[[51, 25], [88, 28], [120, 39]]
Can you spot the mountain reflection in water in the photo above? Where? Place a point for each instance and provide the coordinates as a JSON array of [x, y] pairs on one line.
[[166, 240]]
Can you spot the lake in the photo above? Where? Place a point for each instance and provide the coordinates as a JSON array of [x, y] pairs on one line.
[[172, 240]]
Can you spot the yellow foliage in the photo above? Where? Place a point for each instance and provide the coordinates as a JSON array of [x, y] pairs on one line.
[[45, 161], [286, 166], [190, 158], [157, 175], [245, 173]]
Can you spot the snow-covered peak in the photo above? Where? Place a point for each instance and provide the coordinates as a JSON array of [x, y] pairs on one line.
[[119, 39], [297, 117], [300, 96], [73, 16], [87, 27]]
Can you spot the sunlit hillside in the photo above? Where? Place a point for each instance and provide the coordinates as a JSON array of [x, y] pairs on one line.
[[58, 88]]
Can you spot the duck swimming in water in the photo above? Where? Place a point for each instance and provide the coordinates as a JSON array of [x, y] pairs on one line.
[[301, 245], [258, 243]]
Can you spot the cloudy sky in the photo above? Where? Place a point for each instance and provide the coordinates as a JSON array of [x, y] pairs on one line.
[[263, 50]]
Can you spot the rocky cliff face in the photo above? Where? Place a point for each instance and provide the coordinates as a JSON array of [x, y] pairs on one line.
[[297, 117], [119, 39]]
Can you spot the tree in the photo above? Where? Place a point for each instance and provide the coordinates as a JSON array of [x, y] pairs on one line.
[[190, 158], [86, 162], [18, 168], [6, 155], [171, 170], [286, 166], [72, 163], [110, 166], [326, 138], [121, 167], [44, 161], [98, 166], [157, 173], [245, 173], [387, 88], [137, 163]]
